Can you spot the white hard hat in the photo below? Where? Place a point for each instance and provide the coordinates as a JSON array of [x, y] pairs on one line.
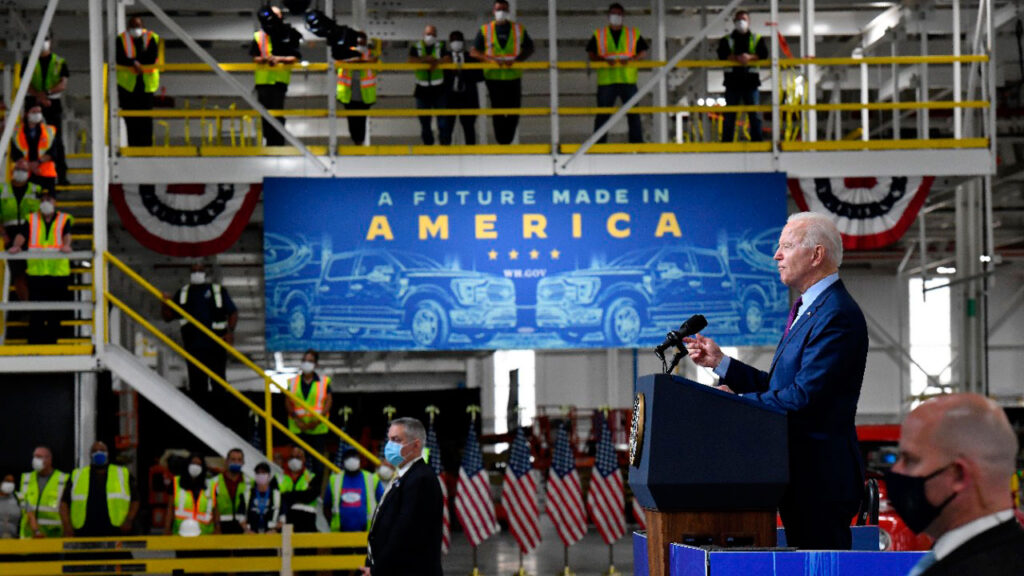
[[189, 528]]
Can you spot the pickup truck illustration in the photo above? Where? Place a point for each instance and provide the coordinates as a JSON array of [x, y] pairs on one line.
[[657, 288], [390, 291]]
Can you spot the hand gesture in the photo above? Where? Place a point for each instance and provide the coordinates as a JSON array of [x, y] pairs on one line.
[[703, 351]]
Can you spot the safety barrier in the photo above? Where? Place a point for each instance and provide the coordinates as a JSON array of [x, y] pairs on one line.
[[263, 412], [283, 553]]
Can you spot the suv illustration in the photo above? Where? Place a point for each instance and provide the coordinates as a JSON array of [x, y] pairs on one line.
[[388, 290], [656, 288]]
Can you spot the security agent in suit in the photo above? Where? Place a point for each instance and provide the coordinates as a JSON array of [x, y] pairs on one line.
[[405, 532], [957, 454], [816, 378]]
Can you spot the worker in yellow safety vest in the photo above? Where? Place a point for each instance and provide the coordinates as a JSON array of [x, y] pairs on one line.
[[49, 279], [41, 492], [192, 510], [616, 47], [352, 495], [430, 92], [19, 198], [315, 390], [231, 490], [299, 492], [742, 82], [504, 43], [364, 79], [275, 46], [101, 500], [47, 86], [137, 51]]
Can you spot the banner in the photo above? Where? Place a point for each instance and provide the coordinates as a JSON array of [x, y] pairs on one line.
[[185, 220], [513, 263]]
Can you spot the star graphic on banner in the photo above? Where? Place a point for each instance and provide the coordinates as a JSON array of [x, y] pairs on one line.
[[492, 255], [555, 254], [513, 255], [534, 254]]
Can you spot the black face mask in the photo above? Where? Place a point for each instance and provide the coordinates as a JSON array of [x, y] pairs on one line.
[[907, 496]]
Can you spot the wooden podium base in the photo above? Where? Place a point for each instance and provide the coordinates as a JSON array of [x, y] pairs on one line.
[[706, 528]]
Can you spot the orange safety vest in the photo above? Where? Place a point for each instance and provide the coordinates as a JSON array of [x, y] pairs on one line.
[[508, 53], [46, 139], [126, 75], [316, 402], [39, 240]]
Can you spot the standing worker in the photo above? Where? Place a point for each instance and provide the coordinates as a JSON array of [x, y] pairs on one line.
[[351, 495], [460, 90], [41, 492], [503, 42], [49, 81], [191, 512], [617, 46], [10, 509], [298, 492], [19, 198], [366, 81], [430, 92], [741, 82], [231, 491], [101, 500], [137, 51], [275, 45], [264, 499], [33, 143], [315, 390]]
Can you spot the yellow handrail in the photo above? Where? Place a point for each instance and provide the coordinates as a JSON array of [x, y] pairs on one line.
[[110, 258]]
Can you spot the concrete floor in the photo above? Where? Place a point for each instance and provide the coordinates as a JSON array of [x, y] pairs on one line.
[[499, 555]]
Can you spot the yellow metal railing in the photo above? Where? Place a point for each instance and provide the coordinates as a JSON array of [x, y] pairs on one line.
[[264, 412]]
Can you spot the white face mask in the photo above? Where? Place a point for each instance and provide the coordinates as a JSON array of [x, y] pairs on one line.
[[501, 16], [615, 19], [457, 45], [352, 464], [46, 45], [363, 49], [742, 26], [263, 479], [37, 464], [20, 176], [198, 277], [295, 464], [307, 367], [46, 208], [137, 32], [385, 473], [194, 470], [7, 487], [35, 118], [429, 39]]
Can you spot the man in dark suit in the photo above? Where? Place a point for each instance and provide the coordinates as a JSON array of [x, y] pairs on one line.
[[405, 532], [816, 378], [952, 480]]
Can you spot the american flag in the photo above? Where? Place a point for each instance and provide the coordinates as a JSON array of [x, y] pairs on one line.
[[519, 495], [606, 500], [473, 505], [435, 462], [565, 498], [638, 514]]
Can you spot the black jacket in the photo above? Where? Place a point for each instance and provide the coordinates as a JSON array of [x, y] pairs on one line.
[[995, 552], [405, 538]]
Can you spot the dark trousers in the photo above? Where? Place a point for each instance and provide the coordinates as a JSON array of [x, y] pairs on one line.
[[272, 97], [201, 388], [461, 100], [44, 325], [54, 116], [317, 442], [505, 94], [815, 525], [433, 98], [45, 182], [140, 130], [357, 124], [736, 97], [606, 96]]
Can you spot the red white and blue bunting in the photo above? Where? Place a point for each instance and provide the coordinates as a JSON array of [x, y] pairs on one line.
[[869, 212], [186, 220]]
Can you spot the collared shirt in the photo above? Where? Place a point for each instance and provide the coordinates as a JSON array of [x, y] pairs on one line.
[[807, 298], [957, 537], [398, 476]]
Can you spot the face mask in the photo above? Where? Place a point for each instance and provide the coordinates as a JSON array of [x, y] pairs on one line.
[[194, 470], [385, 473], [615, 19], [46, 45], [295, 464], [501, 16], [457, 45], [742, 26], [99, 458], [137, 32], [307, 367], [37, 464], [907, 496], [35, 118], [46, 208], [198, 278], [263, 480], [429, 39], [352, 464], [7, 487], [20, 175], [393, 453], [234, 467], [364, 50]]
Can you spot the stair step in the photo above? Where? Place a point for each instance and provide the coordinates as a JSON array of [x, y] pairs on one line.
[[46, 350], [76, 204], [79, 156], [24, 324], [79, 170], [64, 341], [81, 236], [72, 187]]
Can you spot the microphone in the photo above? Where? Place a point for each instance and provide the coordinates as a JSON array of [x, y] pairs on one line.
[[693, 324]]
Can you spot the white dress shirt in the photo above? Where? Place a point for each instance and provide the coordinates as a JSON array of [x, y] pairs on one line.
[[958, 536]]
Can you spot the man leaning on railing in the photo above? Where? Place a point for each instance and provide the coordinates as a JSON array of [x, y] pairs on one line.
[[741, 82], [617, 46], [503, 42]]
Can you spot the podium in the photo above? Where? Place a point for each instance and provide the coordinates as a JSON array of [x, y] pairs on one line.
[[708, 467]]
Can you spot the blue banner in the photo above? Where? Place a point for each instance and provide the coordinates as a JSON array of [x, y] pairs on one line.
[[521, 263]]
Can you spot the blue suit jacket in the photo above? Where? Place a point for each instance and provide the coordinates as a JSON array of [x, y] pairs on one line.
[[816, 377]]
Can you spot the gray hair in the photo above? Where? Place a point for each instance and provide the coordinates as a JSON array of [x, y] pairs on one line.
[[820, 230], [978, 428], [413, 428]]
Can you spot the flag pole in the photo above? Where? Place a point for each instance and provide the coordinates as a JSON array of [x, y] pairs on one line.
[[611, 561], [521, 571], [476, 569], [566, 571]]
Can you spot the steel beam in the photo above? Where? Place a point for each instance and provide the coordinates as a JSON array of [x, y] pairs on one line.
[[99, 171]]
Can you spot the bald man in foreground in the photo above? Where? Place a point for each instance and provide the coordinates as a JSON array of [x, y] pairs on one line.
[[952, 480]]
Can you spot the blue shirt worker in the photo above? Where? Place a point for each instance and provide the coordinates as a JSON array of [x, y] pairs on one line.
[[741, 82], [352, 495]]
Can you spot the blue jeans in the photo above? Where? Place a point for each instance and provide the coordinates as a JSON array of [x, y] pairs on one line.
[[434, 99], [736, 97], [606, 96]]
